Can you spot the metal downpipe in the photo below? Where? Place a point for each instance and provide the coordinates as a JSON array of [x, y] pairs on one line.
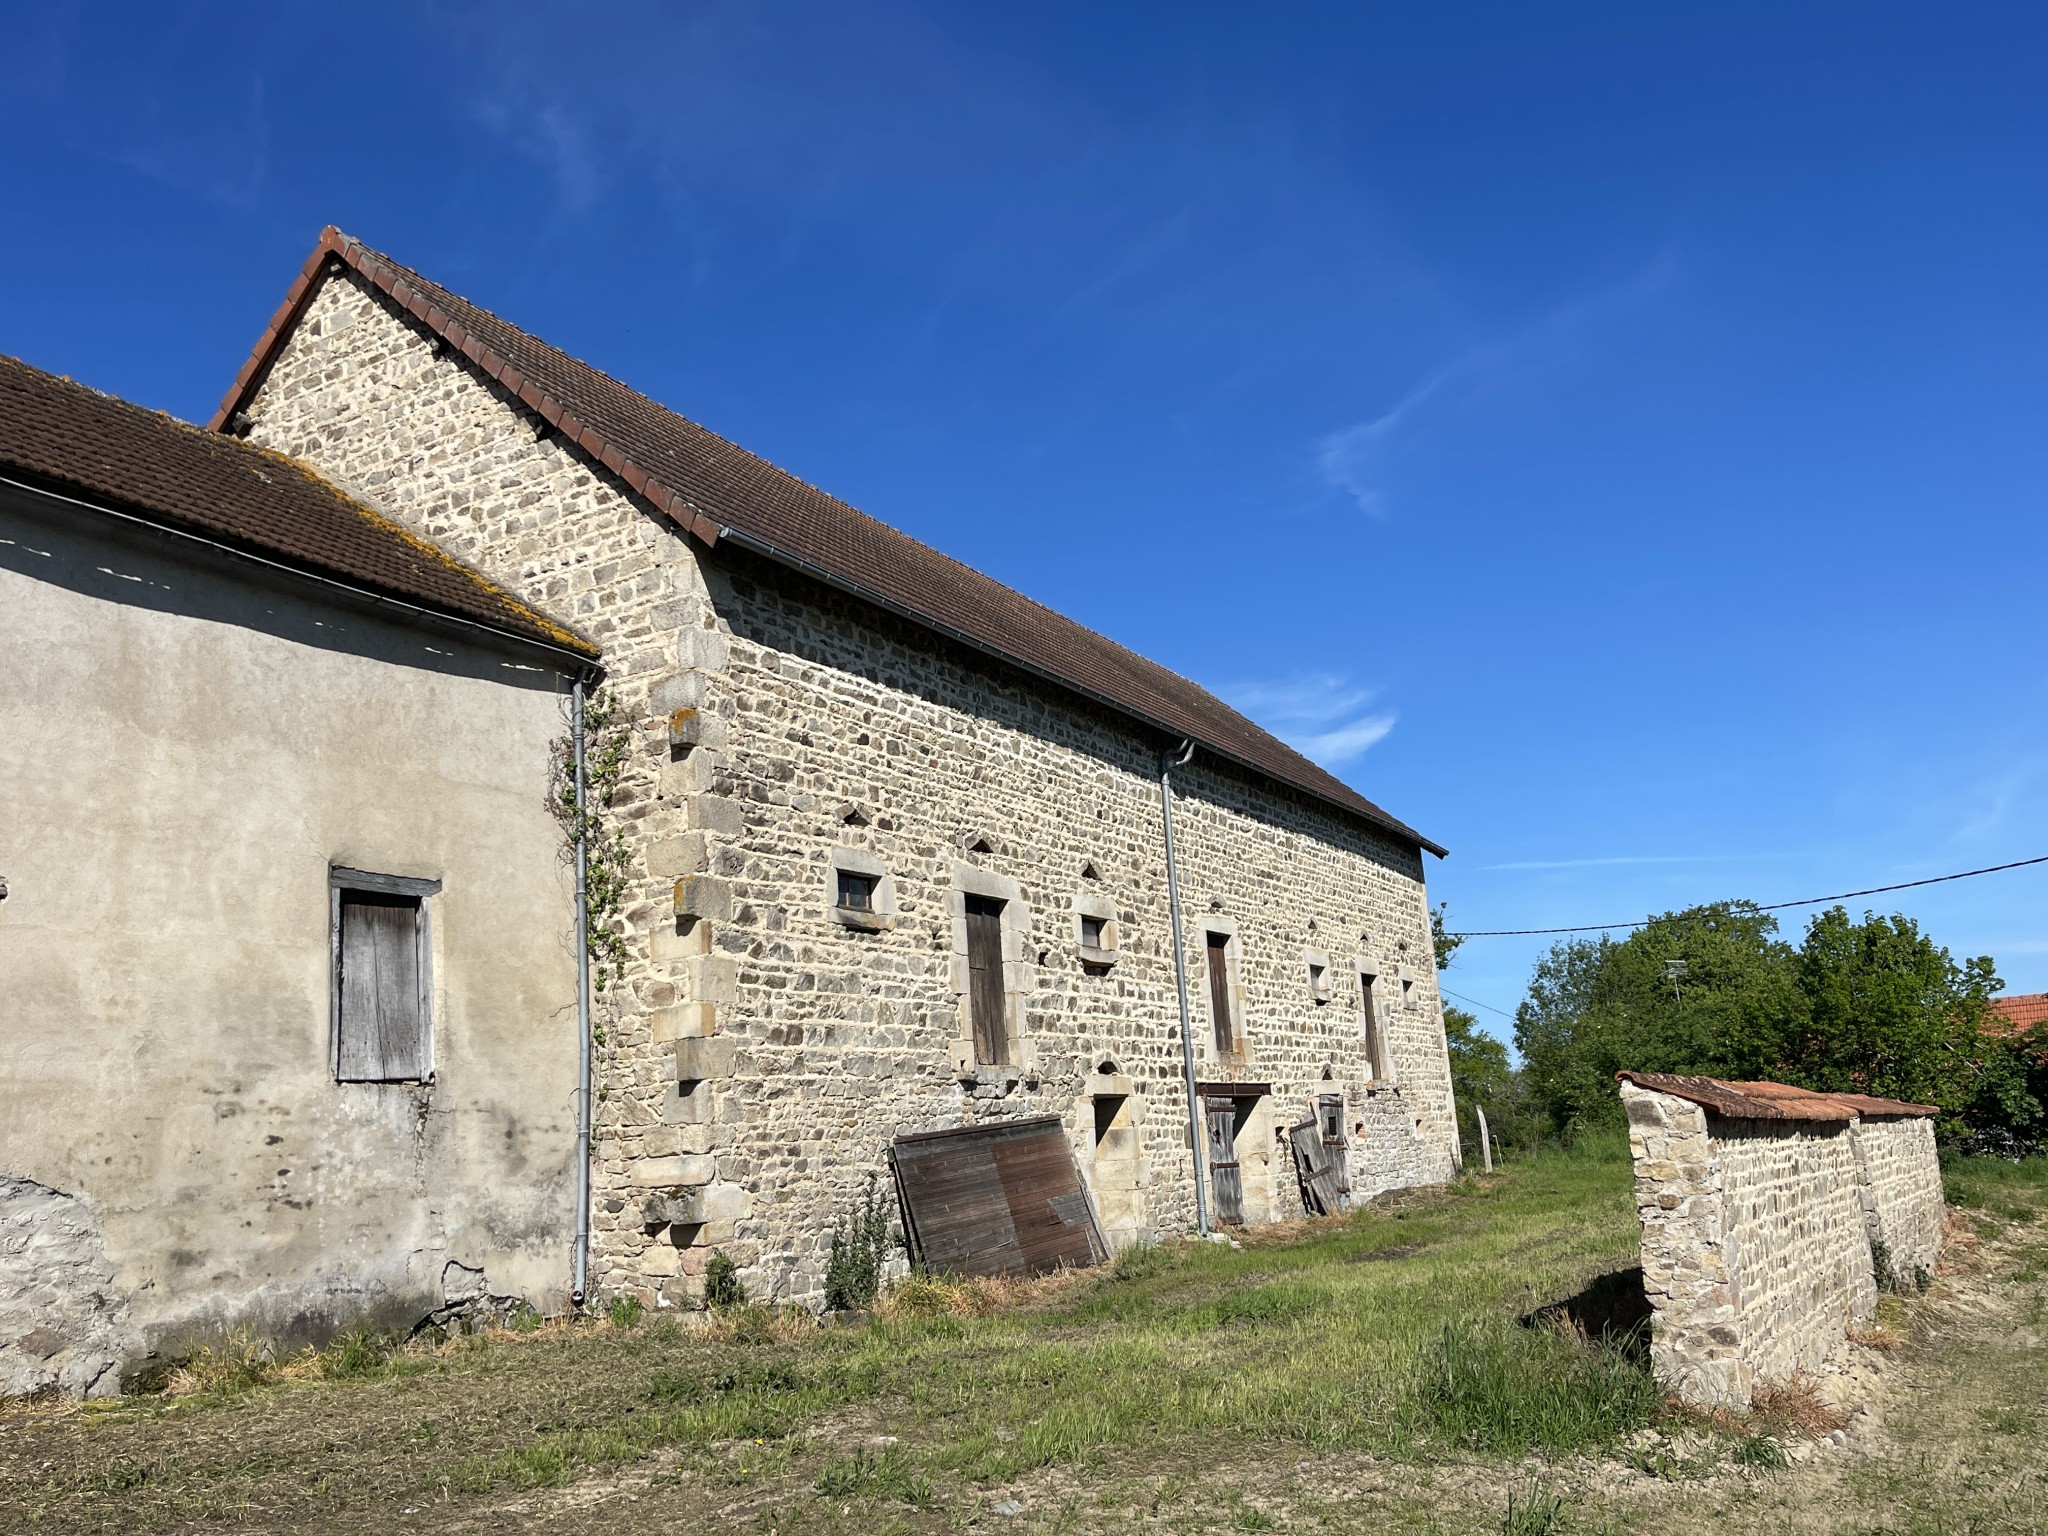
[[581, 1288], [1167, 763]]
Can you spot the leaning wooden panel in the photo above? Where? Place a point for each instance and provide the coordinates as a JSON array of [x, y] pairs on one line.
[[1001, 1199]]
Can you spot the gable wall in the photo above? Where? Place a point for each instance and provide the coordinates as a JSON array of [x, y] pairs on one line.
[[816, 1042]]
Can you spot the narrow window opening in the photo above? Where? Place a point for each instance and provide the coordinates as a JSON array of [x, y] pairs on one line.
[[1319, 982], [1092, 929], [1374, 1033], [1219, 994], [985, 999]]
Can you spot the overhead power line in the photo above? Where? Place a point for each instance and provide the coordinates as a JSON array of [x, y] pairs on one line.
[[1461, 997], [1775, 906]]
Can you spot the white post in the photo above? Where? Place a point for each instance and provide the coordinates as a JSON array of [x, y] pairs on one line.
[[1485, 1140]]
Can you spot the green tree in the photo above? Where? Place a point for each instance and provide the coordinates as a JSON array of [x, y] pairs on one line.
[[1892, 1013], [1482, 1077], [1711, 989]]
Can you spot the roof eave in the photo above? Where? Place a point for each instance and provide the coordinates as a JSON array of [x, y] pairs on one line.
[[334, 245], [816, 572]]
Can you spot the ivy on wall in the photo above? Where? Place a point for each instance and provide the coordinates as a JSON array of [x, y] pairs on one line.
[[607, 746]]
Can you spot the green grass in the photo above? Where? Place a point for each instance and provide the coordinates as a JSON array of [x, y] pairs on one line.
[[1391, 1331], [2017, 1191]]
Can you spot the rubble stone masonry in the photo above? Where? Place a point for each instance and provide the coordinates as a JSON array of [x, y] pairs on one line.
[[766, 1045], [1757, 1255]]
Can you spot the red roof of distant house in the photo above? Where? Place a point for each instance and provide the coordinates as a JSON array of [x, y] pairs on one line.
[[1771, 1101], [62, 437], [2018, 1013], [713, 488]]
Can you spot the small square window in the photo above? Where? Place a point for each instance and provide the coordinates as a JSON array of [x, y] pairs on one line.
[[1092, 931], [856, 891]]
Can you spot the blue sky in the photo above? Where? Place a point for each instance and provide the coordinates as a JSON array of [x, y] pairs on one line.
[[1609, 435]]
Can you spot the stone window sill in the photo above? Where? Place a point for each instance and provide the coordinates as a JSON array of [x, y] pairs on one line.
[[1096, 959], [856, 917]]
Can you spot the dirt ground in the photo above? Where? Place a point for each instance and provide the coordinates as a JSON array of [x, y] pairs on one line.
[[1943, 1427]]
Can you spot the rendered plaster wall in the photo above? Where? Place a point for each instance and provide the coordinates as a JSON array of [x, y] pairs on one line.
[[763, 1050], [188, 745], [1901, 1180], [1756, 1236]]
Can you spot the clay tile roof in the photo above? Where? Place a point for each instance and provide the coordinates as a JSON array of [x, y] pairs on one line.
[[2017, 1014], [64, 437], [713, 489], [1770, 1101]]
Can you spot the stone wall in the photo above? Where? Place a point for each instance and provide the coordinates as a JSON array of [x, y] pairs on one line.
[[763, 1050], [1756, 1235], [1901, 1183]]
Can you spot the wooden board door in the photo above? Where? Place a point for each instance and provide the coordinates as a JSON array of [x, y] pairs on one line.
[[1226, 1183], [1000, 1199]]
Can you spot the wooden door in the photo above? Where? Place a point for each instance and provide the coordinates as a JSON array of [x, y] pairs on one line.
[[1219, 994], [985, 981], [1226, 1184]]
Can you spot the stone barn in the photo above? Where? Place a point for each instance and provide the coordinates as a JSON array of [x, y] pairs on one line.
[[896, 860]]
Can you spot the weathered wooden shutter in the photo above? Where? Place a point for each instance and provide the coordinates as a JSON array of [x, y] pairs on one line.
[[1311, 1166], [999, 1199], [1226, 1180], [1375, 1032], [1219, 994], [1330, 1110], [985, 980], [381, 1017]]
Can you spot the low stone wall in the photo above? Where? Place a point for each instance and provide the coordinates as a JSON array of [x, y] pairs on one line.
[[1901, 1183], [1757, 1235]]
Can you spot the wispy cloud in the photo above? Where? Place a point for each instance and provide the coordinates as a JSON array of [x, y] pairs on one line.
[[1353, 459], [1322, 715]]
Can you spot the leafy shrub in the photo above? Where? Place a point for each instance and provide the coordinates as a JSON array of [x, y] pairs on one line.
[[625, 1312], [722, 1285], [1517, 1390], [861, 1240]]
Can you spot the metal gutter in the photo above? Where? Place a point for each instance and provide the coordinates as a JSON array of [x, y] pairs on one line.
[[1167, 763], [833, 579], [581, 1288]]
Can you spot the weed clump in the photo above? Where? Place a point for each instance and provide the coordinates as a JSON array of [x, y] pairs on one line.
[[361, 1351], [1517, 1390], [861, 1240], [625, 1312], [237, 1364], [722, 1285], [887, 1475], [1542, 1512]]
